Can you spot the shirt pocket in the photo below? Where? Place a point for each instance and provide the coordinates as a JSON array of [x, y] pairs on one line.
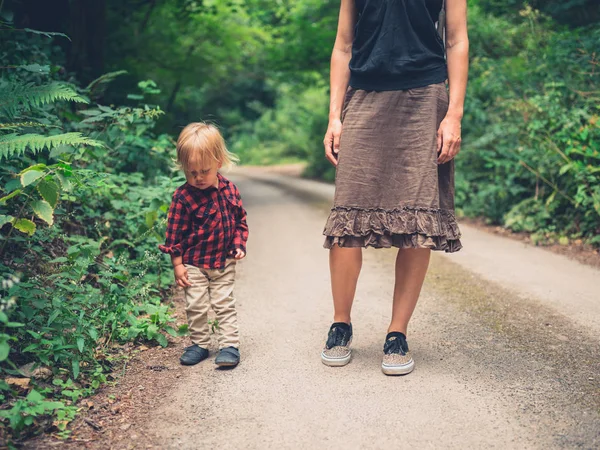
[[206, 215], [234, 206], [233, 201]]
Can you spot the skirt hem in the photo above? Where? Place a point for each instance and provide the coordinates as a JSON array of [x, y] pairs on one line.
[[405, 227]]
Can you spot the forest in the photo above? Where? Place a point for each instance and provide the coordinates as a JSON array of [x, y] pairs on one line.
[[93, 95]]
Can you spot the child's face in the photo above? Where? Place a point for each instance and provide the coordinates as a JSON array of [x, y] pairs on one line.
[[202, 177]]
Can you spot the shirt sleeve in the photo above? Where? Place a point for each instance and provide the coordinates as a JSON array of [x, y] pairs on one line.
[[240, 237], [177, 225]]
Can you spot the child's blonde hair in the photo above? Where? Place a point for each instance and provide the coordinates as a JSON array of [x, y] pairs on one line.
[[202, 143]]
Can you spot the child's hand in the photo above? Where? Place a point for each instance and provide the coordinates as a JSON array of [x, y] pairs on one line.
[[181, 276], [239, 254]]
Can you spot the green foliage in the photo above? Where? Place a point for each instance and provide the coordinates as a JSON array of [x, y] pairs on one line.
[[24, 412], [571, 12], [531, 132], [82, 208], [196, 51], [14, 144], [286, 132], [18, 97], [85, 181]]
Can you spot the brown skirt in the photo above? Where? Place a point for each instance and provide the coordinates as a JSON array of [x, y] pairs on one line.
[[389, 189]]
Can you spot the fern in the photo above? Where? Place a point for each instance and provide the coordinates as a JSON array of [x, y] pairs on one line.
[[46, 33], [18, 125], [16, 144], [106, 78], [16, 97]]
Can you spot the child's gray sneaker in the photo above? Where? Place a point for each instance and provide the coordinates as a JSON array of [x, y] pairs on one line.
[[228, 357], [396, 357], [193, 355], [337, 348]]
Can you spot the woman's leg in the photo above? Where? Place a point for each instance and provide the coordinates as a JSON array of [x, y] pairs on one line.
[[411, 268], [344, 264]]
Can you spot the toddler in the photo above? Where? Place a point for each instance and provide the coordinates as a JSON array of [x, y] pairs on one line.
[[206, 235]]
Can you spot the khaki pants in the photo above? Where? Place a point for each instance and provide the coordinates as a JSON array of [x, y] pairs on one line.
[[212, 287]]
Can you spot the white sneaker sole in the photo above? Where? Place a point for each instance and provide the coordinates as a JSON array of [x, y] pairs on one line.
[[398, 370], [335, 362]]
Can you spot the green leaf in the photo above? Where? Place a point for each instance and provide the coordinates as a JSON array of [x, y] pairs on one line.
[[15, 144], [44, 211], [61, 150], [5, 219], [80, 344], [46, 33], [13, 184], [25, 226], [18, 97], [93, 333], [105, 109], [3, 317], [30, 176], [53, 316], [30, 347], [171, 331], [106, 78], [3, 200], [49, 191], [151, 217], [36, 68], [67, 170], [64, 181], [161, 339], [75, 364], [35, 397], [4, 350], [564, 169], [60, 259], [90, 112]]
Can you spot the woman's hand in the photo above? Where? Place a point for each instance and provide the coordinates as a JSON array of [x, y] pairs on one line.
[[181, 276], [448, 139], [332, 141]]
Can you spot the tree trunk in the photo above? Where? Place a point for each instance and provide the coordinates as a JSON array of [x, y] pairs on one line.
[[88, 34], [173, 96], [177, 86]]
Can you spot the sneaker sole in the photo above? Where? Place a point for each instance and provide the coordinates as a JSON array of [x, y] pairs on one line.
[[398, 370], [335, 362], [187, 363], [226, 364]]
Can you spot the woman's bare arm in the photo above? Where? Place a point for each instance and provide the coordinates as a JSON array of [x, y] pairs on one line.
[[339, 77], [457, 50], [457, 55]]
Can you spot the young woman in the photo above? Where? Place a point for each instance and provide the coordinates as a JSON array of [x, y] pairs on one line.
[[394, 152]]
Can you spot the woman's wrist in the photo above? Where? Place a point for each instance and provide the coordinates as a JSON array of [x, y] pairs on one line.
[[455, 113]]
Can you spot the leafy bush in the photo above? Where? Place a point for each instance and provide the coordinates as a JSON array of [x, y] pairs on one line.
[[84, 193], [531, 132], [286, 132]]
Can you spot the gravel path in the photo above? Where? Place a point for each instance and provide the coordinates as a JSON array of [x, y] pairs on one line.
[[495, 367]]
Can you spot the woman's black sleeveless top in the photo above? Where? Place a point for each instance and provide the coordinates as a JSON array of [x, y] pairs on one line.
[[396, 45]]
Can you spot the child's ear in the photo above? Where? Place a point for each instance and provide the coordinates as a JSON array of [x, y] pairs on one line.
[[219, 165]]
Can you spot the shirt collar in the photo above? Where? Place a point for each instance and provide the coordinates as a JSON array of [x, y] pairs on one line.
[[223, 183]]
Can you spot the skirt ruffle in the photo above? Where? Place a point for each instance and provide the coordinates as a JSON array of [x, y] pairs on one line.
[[406, 227]]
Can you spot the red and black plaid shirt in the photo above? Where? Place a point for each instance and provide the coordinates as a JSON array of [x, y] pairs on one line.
[[205, 226]]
